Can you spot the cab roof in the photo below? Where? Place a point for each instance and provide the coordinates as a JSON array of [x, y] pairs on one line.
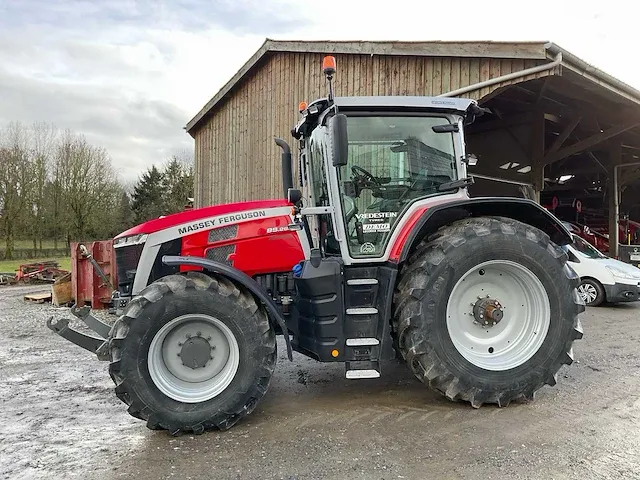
[[402, 102], [316, 110]]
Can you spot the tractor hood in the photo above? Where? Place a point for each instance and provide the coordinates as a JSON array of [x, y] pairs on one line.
[[164, 222]]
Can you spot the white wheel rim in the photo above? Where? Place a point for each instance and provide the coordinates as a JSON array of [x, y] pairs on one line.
[[588, 292], [520, 333], [181, 382]]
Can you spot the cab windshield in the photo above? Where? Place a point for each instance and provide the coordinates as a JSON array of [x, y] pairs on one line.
[[393, 160]]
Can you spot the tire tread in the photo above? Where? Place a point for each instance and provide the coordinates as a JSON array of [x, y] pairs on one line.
[[409, 319], [223, 420]]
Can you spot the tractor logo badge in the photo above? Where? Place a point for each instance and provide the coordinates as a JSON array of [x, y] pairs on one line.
[[367, 248]]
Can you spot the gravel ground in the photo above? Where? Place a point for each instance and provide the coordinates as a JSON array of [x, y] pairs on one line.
[[61, 419]]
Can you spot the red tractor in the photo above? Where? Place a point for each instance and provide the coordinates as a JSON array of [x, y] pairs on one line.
[[379, 255]]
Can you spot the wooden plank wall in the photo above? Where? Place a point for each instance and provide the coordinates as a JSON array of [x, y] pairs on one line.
[[236, 158]]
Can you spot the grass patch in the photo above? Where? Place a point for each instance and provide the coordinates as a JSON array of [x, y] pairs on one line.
[[8, 266]]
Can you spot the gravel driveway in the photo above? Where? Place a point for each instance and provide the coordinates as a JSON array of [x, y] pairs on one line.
[[61, 419]]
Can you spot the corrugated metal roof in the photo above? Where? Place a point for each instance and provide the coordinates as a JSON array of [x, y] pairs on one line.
[[483, 49]]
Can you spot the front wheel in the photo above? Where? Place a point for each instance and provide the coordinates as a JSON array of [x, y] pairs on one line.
[[192, 352], [486, 311]]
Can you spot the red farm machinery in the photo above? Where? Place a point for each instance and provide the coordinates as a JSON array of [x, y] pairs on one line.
[[379, 254]]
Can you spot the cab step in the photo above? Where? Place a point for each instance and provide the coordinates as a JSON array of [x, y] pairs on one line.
[[362, 281], [359, 374], [362, 311], [360, 370], [362, 342]]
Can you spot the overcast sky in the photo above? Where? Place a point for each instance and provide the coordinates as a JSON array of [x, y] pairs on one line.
[[130, 74]]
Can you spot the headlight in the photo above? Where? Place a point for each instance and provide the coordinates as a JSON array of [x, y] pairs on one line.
[[618, 272], [130, 240]]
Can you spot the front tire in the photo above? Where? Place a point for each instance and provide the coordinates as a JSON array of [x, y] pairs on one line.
[[486, 311], [191, 353]]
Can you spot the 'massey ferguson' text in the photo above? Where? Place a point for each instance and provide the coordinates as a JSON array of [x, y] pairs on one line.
[[210, 223]]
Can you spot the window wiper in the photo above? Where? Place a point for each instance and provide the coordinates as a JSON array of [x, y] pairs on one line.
[[463, 182]]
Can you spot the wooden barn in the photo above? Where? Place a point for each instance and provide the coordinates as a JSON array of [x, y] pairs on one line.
[[559, 126]]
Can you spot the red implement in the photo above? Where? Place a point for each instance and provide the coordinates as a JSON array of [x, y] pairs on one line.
[[86, 285]]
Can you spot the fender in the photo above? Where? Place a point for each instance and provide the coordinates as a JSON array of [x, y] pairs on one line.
[[521, 209], [241, 278]]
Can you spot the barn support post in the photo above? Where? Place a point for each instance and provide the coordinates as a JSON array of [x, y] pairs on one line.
[[536, 147], [615, 159]]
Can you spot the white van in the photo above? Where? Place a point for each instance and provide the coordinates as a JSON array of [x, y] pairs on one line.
[[604, 279]]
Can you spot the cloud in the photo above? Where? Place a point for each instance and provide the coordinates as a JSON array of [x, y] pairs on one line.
[[127, 74], [135, 131], [256, 17]]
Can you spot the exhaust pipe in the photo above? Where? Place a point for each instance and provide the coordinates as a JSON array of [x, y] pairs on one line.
[[287, 170]]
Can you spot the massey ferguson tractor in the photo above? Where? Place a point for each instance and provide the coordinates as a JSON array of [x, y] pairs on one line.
[[378, 255]]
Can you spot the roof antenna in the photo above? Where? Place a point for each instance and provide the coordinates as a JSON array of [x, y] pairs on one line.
[[329, 69]]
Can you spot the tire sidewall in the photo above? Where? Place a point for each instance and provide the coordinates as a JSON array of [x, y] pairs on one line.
[[134, 359], [533, 255]]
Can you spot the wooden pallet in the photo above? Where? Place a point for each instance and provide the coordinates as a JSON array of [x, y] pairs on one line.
[[38, 297]]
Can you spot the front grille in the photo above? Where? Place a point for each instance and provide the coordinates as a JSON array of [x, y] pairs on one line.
[[126, 264], [220, 254], [223, 233]]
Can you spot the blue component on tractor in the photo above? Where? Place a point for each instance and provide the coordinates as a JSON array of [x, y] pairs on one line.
[[297, 269]]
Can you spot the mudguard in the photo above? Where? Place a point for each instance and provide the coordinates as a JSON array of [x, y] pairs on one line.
[[521, 209], [243, 279]]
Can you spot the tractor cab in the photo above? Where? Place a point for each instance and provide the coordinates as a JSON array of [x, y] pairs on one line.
[[366, 162]]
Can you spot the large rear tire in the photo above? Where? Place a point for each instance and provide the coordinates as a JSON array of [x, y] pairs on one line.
[[486, 311], [192, 352]]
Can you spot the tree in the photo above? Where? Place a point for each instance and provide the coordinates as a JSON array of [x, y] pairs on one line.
[[16, 183], [9, 199], [148, 196], [177, 183], [43, 139], [57, 185], [125, 217], [86, 186]]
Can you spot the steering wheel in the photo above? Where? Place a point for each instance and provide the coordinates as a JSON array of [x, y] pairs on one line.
[[364, 173]]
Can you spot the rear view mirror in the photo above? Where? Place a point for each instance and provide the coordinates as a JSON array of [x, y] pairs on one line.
[[446, 128], [340, 140]]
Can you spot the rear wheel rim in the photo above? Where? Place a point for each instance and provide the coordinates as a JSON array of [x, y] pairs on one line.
[[522, 327], [191, 339], [588, 292]]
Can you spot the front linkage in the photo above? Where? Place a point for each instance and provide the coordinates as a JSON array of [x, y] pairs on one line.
[[97, 344]]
